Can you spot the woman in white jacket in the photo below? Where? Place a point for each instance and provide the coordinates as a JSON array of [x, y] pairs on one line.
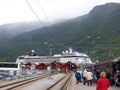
[[84, 76], [89, 77]]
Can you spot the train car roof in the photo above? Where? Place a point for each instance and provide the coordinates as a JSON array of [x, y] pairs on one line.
[[116, 59]]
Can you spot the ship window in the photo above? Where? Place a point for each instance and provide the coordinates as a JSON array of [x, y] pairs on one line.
[[8, 65], [21, 57]]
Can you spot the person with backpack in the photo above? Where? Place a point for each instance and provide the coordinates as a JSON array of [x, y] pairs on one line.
[[78, 76]]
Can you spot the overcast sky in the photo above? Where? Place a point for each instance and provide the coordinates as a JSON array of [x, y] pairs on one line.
[[19, 10]]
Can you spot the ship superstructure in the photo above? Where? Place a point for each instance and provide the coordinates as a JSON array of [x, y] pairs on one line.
[[65, 56]]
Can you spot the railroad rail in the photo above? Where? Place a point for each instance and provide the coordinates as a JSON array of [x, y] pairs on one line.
[[18, 83], [61, 84], [68, 83]]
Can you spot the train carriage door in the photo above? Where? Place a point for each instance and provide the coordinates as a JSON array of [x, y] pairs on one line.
[[114, 67], [118, 65]]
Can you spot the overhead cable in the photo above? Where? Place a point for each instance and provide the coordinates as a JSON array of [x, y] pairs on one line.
[[34, 12], [42, 10]]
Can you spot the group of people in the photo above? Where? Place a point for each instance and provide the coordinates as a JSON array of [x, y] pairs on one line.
[[86, 77]]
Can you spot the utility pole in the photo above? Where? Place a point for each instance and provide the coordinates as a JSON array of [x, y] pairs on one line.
[[94, 51], [50, 54], [50, 48]]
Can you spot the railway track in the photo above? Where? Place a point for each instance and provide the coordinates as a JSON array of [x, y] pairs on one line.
[[15, 84], [61, 84]]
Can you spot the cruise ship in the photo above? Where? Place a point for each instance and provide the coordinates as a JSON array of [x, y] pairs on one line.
[[65, 56]]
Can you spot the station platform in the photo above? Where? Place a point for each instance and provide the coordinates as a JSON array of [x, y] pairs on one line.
[[46, 82]]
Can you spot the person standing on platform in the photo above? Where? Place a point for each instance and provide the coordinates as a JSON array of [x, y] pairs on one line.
[[117, 81], [84, 76], [109, 77], [49, 68], [102, 83], [78, 76], [98, 74], [89, 77]]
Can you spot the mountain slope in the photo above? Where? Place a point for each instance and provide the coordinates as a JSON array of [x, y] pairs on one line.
[[99, 21], [13, 29]]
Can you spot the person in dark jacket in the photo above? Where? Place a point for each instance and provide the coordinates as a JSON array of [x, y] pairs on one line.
[[117, 81], [32, 53], [98, 74], [78, 76], [102, 83]]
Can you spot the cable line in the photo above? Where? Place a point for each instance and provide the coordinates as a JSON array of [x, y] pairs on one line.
[[51, 35], [48, 21], [42, 10], [34, 12]]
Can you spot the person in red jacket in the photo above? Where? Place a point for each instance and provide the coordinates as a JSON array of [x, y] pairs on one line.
[[102, 83]]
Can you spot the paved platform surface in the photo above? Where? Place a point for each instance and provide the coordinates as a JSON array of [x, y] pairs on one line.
[[80, 86], [43, 84]]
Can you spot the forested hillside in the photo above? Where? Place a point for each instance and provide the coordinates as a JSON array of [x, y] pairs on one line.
[[81, 33]]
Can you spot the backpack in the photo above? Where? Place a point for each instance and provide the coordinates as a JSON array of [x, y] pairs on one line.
[[113, 78], [78, 75]]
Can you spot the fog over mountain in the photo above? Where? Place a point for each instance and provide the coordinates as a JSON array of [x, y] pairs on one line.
[[13, 29], [17, 28]]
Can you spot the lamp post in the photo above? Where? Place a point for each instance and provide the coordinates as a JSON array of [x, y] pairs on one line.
[[50, 48], [50, 54], [93, 39], [93, 44], [70, 65]]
